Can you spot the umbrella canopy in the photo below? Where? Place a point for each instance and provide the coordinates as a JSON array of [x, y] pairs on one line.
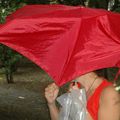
[[65, 41]]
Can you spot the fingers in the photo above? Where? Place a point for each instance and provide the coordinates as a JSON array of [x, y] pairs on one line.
[[49, 94], [51, 89]]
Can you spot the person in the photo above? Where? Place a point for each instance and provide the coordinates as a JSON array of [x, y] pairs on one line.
[[103, 101]]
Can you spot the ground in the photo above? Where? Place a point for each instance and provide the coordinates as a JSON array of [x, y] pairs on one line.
[[24, 100]]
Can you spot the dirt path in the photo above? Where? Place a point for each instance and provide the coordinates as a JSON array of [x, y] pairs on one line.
[[25, 100]]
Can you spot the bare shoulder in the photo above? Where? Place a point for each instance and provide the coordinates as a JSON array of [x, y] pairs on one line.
[[110, 95], [109, 108]]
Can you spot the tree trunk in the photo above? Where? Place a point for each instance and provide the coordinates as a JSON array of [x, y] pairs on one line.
[[9, 77]]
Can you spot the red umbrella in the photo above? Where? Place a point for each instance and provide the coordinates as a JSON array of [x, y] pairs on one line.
[[65, 41]]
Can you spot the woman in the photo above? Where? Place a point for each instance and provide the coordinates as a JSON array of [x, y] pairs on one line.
[[103, 101]]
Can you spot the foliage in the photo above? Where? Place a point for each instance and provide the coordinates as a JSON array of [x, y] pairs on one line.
[[7, 7], [117, 7], [9, 59], [112, 5], [72, 2], [98, 4], [37, 1]]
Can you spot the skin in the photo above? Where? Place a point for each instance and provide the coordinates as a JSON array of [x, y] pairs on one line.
[[51, 93], [109, 104]]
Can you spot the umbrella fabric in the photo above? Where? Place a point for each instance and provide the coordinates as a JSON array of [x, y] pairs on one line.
[[65, 41]]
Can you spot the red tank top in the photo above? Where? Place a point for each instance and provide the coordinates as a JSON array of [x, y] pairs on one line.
[[93, 101]]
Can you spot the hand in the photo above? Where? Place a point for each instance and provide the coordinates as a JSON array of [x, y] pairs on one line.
[[51, 93]]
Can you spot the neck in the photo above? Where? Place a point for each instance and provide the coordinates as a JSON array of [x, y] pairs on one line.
[[89, 81]]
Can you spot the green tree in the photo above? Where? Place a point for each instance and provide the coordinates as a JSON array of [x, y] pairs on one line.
[[9, 59], [9, 6], [112, 5], [72, 2], [37, 1]]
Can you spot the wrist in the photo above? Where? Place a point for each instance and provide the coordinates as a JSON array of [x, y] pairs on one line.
[[51, 104]]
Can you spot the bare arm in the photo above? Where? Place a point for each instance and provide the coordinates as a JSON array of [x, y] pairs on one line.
[[54, 112], [51, 93], [109, 105]]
